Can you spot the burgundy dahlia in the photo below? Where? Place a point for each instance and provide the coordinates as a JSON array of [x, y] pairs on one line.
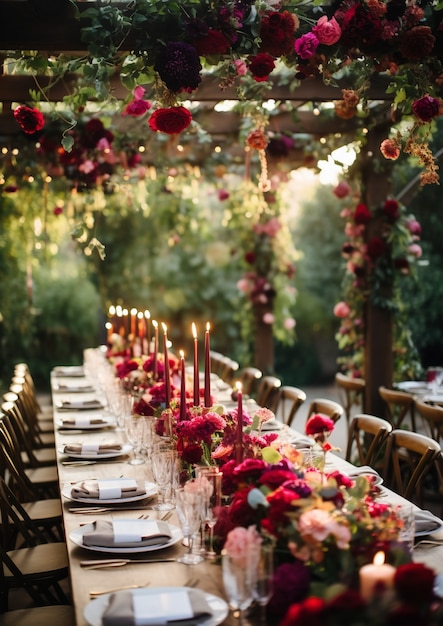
[[426, 108], [360, 28], [214, 42], [260, 66], [417, 43], [179, 67], [277, 33]]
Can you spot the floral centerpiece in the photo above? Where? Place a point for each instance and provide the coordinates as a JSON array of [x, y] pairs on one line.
[[325, 526]]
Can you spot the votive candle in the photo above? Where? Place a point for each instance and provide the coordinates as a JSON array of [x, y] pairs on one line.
[[166, 357], [207, 367], [182, 387], [372, 575], [196, 374]]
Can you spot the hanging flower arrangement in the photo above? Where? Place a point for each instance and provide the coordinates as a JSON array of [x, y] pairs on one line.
[[374, 267]]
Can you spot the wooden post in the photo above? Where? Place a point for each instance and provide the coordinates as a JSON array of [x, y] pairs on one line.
[[379, 361]]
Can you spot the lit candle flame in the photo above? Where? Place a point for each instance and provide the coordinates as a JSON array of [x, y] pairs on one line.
[[238, 385], [182, 354], [379, 558], [154, 323], [134, 311], [208, 326], [147, 314], [165, 328], [111, 310], [194, 330], [140, 315]]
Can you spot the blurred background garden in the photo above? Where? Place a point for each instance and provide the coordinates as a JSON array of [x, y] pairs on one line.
[[172, 235]]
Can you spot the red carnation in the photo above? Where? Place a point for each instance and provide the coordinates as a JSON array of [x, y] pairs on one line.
[[390, 149], [319, 424], [261, 66], [171, 121], [426, 108], [29, 120], [362, 214]]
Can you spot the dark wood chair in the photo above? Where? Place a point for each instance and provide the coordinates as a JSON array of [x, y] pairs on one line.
[[408, 458], [398, 405], [40, 616], [323, 406], [351, 392], [249, 377], [367, 437]]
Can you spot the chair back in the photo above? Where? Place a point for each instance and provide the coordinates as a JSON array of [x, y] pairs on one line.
[[351, 392], [432, 416], [268, 392], [289, 401], [323, 406], [408, 458], [249, 377], [397, 404], [367, 435]]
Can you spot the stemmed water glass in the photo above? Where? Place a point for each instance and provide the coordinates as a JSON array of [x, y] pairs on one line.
[[134, 427], [237, 585], [210, 480], [189, 510], [163, 466], [261, 575]]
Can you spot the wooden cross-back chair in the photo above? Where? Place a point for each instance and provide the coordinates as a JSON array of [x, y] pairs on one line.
[[37, 567], [324, 406], [367, 435], [40, 616], [42, 431], [290, 400], [249, 377], [432, 417], [398, 404], [351, 392], [408, 458], [268, 392]]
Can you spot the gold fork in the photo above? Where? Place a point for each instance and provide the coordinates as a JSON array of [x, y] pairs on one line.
[[96, 593]]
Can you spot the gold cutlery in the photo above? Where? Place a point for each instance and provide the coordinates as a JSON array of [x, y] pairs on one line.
[[115, 509], [103, 563], [95, 594]]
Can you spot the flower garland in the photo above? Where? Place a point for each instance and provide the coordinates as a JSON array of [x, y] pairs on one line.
[[373, 270], [349, 43]]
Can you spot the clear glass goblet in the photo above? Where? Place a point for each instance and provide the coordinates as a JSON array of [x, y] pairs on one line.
[[211, 483], [134, 427], [261, 576], [189, 508]]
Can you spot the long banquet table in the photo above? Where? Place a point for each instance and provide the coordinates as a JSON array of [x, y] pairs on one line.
[[158, 574]]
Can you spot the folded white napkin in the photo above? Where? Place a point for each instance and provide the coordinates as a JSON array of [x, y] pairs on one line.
[[271, 425], [426, 522], [129, 533], [83, 421], [363, 470], [92, 448], [111, 489], [181, 607], [75, 405]]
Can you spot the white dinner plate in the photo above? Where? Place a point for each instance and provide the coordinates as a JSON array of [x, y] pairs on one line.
[[95, 456], [73, 389], [105, 423], [413, 385], [76, 536], [94, 610], [70, 371], [78, 405], [150, 488]]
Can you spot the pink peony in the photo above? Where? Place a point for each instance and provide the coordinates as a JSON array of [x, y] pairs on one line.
[[327, 32], [239, 542], [414, 227], [268, 318], [137, 106], [289, 323], [306, 46], [415, 250], [319, 425]]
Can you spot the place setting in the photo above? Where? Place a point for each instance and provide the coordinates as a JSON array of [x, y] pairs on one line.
[[79, 405], [94, 451], [85, 422], [181, 606], [109, 491]]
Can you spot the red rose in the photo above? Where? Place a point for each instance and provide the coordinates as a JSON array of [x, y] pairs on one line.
[[318, 424], [414, 583], [171, 121], [214, 42], [29, 120], [240, 511], [426, 108], [281, 502], [261, 66], [376, 247], [392, 209], [362, 214]]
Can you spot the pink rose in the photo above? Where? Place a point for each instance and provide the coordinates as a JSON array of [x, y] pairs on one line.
[[137, 106], [239, 543], [415, 250], [289, 323], [414, 227], [327, 32], [241, 67], [268, 318], [342, 310]]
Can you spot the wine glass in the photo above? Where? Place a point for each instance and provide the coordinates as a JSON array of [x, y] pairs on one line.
[[189, 510], [260, 576], [134, 427], [163, 464], [237, 586], [211, 480]]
